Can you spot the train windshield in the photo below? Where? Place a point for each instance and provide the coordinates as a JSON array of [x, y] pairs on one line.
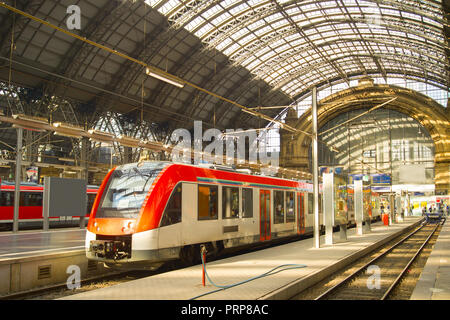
[[126, 190]]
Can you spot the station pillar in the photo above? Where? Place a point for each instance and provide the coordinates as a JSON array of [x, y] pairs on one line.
[[359, 210]]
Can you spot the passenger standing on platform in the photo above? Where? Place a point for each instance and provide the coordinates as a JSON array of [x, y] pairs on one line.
[[425, 214], [441, 213]]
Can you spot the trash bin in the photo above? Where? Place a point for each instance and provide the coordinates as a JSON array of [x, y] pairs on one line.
[[385, 218]]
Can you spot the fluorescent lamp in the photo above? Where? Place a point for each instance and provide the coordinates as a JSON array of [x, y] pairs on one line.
[[128, 141], [17, 126], [29, 118], [164, 78], [69, 135]]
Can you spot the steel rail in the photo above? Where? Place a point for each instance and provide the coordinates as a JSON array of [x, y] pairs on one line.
[[400, 276], [351, 276]]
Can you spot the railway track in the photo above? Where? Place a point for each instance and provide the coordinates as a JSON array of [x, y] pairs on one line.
[[377, 278]]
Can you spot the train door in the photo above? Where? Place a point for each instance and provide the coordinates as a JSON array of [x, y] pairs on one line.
[[264, 215], [300, 213]]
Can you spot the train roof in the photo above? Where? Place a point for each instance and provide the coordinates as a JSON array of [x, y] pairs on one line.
[[207, 166]]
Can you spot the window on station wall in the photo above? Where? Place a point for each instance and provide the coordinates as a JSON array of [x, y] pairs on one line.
[[230, 202], [247, 203], [290, 207], [278, 205], [208, 202], [310, 203], [172, 213]]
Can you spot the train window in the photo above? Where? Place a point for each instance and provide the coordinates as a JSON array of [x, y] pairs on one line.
[[91, 199], [208, 202], [247, 203], [230, 202], [290, 207], [310, 203], [31, 199], [278, 207], [172, 213], [6, 199]]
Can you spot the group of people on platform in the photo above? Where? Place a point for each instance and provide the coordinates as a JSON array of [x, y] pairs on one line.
[[441, 211]]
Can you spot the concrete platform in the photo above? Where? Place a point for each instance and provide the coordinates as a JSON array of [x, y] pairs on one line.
[[187, 283], [32, 259], [434, 282], [30, 243]]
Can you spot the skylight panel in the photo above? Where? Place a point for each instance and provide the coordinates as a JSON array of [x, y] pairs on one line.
[[224, 44], [253, 64], [256, 25], [282, 48], [433, 22], [195, 23], [411, 16], [224, 16], [230, 49], [391, 12], [167, 7], [237, 10], [273, 17], [211, 12], [247, 39], [263, 30], [153, 3], [204, 30]]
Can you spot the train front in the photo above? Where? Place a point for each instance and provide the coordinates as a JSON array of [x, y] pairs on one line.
[[115, 230]]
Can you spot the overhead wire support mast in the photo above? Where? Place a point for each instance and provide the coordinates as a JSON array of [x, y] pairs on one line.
[[151, 70]]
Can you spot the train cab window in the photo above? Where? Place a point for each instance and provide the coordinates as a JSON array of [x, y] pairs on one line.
[[208, 202], [127, 189], [6, 199], [290, 207], [278, 207], [172, 213], [230, 202], [310, 203], [247, 203]]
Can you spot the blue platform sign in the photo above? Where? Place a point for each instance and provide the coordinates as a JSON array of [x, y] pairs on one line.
[[381, 179]]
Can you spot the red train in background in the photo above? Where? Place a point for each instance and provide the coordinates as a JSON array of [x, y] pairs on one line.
[[30, 210]]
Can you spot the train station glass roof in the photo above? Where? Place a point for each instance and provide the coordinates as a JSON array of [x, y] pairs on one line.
[[294, 44]]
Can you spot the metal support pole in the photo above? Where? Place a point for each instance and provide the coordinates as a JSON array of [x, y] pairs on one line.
[[315, 166], [18, 179]]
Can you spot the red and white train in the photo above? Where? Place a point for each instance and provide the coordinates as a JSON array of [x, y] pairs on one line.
[[151, 212], [148, 213], [30, 206]]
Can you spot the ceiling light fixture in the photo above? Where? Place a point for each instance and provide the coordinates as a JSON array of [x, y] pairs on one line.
[[165, 78]]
